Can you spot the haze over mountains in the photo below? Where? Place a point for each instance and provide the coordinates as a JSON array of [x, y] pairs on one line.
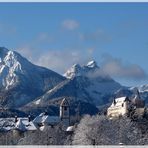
[[25, 85]]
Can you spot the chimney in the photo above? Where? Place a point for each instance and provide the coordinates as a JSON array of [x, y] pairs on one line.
[[16, 119], [29, 118], [45, 113]]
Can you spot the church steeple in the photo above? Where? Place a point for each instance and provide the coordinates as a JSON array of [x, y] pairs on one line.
[[65, 111], [137, 101], [114, 101]]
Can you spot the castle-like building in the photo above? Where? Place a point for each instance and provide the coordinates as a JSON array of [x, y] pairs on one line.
[[118, 107], [124, 106]]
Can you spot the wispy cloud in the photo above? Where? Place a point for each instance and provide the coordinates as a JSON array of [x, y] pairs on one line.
[[96, 36], [56, 60], [62, 60], [116, 67], [70, 24], [44, 37]]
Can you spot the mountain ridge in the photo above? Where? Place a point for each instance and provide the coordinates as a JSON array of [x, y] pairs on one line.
[[33, 88], [24, 79], [86, 83]]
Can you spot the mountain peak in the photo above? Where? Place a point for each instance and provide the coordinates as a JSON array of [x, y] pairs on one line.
[[81, 70], [76, 66], [17, 72], [3, 52], [75, 70], [92, 64]]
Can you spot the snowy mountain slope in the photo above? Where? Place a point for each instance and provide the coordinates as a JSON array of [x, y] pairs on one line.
[[21, 81], [132, 91], [90, 70], [143, 88], [87, 83], [94, 83], [23, 84]]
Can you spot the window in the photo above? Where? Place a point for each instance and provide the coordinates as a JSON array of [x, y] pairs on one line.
[[65, 108], [122, 104]]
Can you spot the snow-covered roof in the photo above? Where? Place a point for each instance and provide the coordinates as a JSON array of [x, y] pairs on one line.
[[6, 124], [28, 125], [20, 125], [42, 118], [70, 129], [121, 99], [23, 124]]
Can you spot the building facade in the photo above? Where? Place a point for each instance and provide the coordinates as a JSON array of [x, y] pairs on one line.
[[123, 106], [119, 107]]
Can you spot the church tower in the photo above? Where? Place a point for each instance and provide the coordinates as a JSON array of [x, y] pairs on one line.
[[137, 101], [65, 112]]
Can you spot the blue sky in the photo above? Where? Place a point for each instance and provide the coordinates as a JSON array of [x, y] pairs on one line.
[[57, 35]]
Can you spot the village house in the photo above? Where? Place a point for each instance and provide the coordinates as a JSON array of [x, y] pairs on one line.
[[20, 125]]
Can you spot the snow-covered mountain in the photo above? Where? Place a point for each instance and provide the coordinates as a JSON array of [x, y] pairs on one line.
[[87, 83], [143, 88], [23, 84], [131, 92], [91, 69], [21, 81]]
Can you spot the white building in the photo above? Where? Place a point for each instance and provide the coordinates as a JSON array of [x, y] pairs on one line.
[[22, 124], [122, 106], [119, 107]]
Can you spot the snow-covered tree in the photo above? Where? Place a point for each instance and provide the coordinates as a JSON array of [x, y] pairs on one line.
[[99, 130], [48, 136]]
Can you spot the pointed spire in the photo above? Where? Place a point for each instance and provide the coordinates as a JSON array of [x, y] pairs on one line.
[[138, 94], [16, 119], [64, 102], [114, 101]]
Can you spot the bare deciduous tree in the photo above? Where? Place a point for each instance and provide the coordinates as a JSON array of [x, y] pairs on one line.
[[49, 136], [99, 130]]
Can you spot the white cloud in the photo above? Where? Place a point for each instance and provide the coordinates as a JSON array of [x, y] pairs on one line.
[[62, 60], [44, 37], [116, 67], [26, 52], [70, 24]]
